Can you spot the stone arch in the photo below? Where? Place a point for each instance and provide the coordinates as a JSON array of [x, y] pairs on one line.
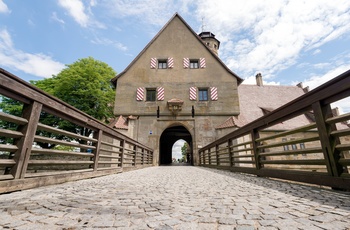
[[169, 136]]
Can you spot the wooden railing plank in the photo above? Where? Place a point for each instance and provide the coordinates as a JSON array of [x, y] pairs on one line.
[[35, 101], [63, 132], [317, 103]]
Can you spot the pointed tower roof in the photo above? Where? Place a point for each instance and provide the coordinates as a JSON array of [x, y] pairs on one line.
[[176, 15]]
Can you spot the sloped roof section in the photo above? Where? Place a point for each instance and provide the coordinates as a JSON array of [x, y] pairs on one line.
[[256, 101], [230, 122], [121, 123], [176, 15]]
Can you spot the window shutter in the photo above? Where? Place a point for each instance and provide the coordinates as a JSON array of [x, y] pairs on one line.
[[193, 93], [214, 93], [153, 63], [202, 62], [186, 63], [140, 94], [170, 63], [160, 93]]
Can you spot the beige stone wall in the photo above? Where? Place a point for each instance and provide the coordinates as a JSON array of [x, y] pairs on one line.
[[178, 42]]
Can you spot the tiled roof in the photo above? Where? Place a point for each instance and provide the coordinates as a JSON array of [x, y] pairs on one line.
[[121, 123], [255, 101], [230, 122]]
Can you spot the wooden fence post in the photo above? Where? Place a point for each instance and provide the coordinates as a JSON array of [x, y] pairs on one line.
[[217, 154], [328, 143], [122, 144], [32, 113], [98, 136], [135, 154], [209, 156], [229, 142], [255, 135]]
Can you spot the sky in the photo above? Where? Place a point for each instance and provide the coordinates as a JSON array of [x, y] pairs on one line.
[[287, 41]]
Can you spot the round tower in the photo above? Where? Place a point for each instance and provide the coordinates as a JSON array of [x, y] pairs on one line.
[[210, 40]]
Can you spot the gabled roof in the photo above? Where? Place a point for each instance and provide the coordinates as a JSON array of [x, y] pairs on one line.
[[119, 123], [176, 15]]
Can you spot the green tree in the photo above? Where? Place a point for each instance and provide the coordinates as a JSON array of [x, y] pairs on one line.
[[184, 152], [85, 84], [13, 107]]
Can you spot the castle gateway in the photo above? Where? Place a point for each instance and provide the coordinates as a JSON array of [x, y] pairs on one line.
[[176, 88]]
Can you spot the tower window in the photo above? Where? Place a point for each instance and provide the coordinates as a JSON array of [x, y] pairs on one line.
[[150, 94], [162, 64], [203, 94], [194, 64]]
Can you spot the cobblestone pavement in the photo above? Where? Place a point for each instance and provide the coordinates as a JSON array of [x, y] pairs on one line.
[[181, 197]]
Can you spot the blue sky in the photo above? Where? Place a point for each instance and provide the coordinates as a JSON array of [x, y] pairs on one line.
[[288, 41]]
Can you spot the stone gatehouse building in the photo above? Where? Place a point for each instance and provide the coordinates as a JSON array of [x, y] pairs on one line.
[[176, 88]]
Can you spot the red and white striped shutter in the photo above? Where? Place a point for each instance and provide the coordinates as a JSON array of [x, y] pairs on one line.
[[170, 63], [214, 93], [160, 93], [202, 62], [153, 63], [186, 63], [140, 94], [193, 93]]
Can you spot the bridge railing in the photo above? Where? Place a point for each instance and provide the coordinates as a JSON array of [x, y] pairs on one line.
[[34, 154], [316, 152]]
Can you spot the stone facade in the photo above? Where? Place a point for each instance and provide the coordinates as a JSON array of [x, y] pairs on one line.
[[176, 81]]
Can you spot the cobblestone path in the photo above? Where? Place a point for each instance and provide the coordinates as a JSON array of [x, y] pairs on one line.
[[178, 197]]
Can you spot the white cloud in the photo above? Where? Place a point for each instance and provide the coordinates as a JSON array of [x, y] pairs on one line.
[[176, 150], [56, 18], [3, 7], [108, 42], [39, 65], [76, 9], [317, 51], [269, 36], [266, 36], [317, 80]]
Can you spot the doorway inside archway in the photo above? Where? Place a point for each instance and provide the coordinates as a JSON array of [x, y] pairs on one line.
[[167, 140]]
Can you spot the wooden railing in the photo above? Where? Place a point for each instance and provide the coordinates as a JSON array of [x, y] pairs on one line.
[[25, 163], [316, 153]]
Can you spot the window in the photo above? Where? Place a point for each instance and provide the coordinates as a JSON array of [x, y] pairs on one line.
[[150, 94], [162, 64], [203, 94], [194, 64]]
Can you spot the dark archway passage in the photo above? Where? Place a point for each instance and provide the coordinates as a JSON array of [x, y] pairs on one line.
[[167, 140]]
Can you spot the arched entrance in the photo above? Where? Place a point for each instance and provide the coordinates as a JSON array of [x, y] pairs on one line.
[[167, 140]]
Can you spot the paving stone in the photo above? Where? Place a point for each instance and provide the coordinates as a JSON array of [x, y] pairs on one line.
[[176, 198]]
